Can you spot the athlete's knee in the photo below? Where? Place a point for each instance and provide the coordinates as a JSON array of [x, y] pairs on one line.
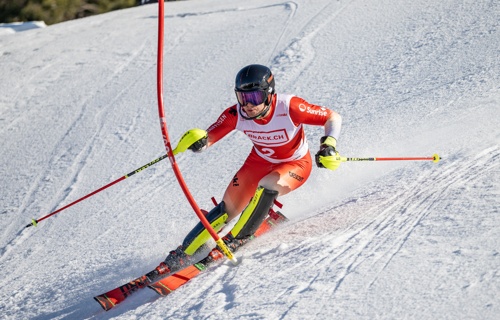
[[197, 237], [255, 213], [270, 181]]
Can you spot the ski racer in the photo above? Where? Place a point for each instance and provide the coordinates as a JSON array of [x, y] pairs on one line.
[[278, 163]]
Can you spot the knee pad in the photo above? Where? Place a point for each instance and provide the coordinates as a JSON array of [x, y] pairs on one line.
[[197, 237], [255, 213]]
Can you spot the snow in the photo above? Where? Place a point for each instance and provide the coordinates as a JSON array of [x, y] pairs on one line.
[[390, 240]]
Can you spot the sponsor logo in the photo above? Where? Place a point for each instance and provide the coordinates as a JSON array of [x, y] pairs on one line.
[[295, 176], [269, 138], [282, 115], [217, 224], [235, 181], [218, 122], [319, 112]]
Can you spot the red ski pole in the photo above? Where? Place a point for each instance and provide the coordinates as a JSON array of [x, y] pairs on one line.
[[435, 158], [166, 141], [34, 222]]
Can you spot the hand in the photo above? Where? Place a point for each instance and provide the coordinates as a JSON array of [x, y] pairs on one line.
[[327, 156], [199, 145]]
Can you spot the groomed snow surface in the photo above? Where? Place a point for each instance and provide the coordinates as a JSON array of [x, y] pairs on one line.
[[372, 240]]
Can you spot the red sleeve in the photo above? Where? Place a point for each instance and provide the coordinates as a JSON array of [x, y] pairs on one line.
[[224, 124], [303, 112]]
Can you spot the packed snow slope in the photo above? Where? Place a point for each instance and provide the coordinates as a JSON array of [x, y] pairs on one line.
[[389, 240]]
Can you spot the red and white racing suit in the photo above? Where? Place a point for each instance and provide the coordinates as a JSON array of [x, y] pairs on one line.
[[280, 150]]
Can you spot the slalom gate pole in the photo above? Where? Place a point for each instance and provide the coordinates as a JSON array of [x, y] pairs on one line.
[[166, 140], [34, 222], [435, 158]]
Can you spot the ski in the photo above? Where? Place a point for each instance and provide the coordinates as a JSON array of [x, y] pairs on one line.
[[113, 297], [167, 283]]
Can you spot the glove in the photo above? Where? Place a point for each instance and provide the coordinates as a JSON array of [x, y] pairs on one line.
[[199, 145], [327, 156], [194, 139]]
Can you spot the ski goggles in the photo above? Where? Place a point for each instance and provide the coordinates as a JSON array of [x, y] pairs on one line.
[[253, 97]]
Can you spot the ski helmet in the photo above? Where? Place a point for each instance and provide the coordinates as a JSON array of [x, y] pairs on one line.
[[255, 84]]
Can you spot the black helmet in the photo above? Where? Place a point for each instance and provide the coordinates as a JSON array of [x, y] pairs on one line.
[[254, 77], [258, 79]]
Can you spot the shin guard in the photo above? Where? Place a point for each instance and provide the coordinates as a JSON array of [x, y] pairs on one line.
[[255, 213], [199, 235]]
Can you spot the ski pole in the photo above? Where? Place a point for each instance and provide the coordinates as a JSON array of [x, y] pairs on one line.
[[34, 222], [435, 158]]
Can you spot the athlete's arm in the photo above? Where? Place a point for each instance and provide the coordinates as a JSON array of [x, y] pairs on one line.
[[224, 124], [304, 112]]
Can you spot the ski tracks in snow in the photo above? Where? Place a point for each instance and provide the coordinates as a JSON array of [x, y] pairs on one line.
[[295, 57], [399, 215], [367, 232], [72, 152]]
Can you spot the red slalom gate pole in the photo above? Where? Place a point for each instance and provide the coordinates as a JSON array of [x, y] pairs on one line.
[[166, 139]]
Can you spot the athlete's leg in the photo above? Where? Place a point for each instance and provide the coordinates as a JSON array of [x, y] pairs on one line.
[[199, 235], [194, 241], [288, 176], [270, 180], [242, 187], [236, 197], [282, 179]]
